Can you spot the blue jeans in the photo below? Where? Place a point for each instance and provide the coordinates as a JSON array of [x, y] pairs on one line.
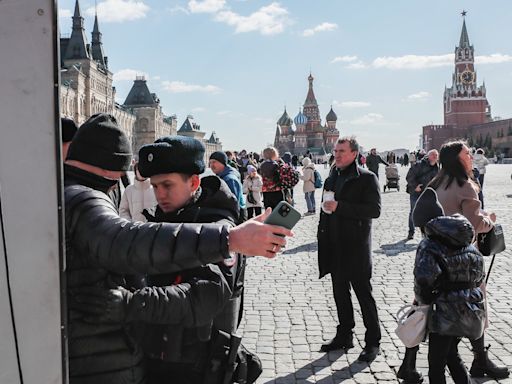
[[413, 197], [310, 201]]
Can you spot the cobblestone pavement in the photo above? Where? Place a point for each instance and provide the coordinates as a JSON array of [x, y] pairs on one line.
[[289, 312]]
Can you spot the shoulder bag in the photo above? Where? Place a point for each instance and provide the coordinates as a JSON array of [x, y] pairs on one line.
[[412, 324]]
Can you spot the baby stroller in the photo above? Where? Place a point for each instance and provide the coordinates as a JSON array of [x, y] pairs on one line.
[[392, 177]]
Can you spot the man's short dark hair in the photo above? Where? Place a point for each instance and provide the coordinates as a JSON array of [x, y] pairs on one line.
[[352, 142]]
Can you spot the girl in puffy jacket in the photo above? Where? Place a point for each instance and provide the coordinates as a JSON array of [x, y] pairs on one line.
[[447, 274]]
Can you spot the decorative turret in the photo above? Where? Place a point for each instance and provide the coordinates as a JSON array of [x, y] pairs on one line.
[[311, 106], [97, 45], [77, 46], [213, 138], [331, 116], [300, 120], [139, 95], [285, 120]]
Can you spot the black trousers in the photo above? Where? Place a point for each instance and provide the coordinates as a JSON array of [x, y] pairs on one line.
[[253, 211], [442, 351], [271, 199], [363, 290]]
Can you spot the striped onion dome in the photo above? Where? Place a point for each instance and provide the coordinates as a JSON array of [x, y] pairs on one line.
[[285, 120], [300, 119]]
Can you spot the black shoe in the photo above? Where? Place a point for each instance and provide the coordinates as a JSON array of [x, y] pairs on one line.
[[410, 236], [409, 377], [338, 342], [483, 366], [369, 353]]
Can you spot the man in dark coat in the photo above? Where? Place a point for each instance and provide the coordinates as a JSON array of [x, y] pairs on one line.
[[418, 177], [344, 246], [373, 160], [102, 248]]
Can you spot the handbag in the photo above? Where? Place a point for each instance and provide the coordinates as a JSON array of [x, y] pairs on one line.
[[492, 242], [250, 198], [412, 324]]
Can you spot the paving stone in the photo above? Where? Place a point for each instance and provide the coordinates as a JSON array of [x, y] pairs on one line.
[[289, 312]]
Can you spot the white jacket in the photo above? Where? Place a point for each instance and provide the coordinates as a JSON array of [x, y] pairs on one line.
[[137, 197], [255, 185], [308, 175], [480, 162]]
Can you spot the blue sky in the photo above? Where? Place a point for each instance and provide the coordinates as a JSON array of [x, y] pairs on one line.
[[235, 64]]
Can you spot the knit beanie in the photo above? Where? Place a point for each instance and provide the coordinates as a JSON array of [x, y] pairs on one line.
[[68, 129], [101, 142], [287, 157], [172, 154], [427, 208], [220, 156], [306, 161], [251, 169]]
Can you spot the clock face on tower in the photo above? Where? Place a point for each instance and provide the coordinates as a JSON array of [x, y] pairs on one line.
[[467, 77]]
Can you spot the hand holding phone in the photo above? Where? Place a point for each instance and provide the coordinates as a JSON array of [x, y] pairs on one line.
[[283, 215]]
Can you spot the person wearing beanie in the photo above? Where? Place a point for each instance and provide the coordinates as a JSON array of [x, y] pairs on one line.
[[252, 186], [219, 165], [68, 131], [101, 247], [308, 177]]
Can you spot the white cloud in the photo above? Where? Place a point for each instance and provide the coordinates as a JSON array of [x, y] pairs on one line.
[[65, 13], [182, 87], [413, 61], [369, 118], [198, 109], [495, 58], [351, 104], [178, 9], [206, 6], [117, 11], [357, 65], [344, 59], [268, 20], [422, 95], [324, 27], [128, 74]]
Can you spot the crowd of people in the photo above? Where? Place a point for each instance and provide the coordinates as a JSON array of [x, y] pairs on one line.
[[155, 275]]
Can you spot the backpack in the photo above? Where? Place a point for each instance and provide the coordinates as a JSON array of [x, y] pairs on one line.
[[288, 177], [318, 179]]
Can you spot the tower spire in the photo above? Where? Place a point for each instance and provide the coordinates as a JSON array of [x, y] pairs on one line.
[[464, 38], [97, 46], [77, 46]]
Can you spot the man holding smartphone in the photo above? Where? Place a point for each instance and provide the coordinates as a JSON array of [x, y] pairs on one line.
[[344, 246]]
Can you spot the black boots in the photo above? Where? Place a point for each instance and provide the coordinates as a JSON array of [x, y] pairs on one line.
[[407, 371], [340, 341], [482, 365]]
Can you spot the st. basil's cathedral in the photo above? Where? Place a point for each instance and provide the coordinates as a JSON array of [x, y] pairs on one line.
[[308, 135]]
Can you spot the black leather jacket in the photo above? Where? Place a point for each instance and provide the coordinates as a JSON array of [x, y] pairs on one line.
[[448, 272], [421, 173], [101, 246]]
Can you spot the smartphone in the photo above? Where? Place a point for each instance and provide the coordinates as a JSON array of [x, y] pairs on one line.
[[283, 215]]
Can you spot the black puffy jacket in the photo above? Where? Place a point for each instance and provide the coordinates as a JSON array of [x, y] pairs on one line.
[[448, 272], [101, 246]]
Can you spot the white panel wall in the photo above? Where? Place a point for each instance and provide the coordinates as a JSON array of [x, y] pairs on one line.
[[30, 192]]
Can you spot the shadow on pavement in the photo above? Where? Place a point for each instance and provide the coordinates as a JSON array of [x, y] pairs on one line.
[[395, 249], [309, 247], [302, 374]]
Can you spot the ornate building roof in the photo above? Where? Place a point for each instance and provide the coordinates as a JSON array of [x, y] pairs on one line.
[[285, 120], [139, 94], [77, 44], [331, 116], [189, 125], [300, 119]]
